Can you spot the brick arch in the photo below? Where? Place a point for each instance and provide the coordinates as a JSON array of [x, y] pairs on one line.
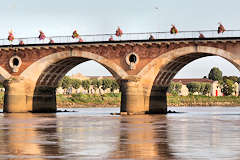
[[163, 68], [68, 59], [157, 75]]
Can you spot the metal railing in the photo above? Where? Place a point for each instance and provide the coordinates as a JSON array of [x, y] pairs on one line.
[[124, 37]]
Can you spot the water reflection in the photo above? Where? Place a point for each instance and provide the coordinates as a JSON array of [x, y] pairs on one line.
[[143, 137], [205, 133], [24, 136], [202, 133]]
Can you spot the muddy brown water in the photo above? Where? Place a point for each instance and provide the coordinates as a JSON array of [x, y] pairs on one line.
[[92, 133]]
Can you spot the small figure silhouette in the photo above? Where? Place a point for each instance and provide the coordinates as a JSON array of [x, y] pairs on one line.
[[21, 42], [173, 30], [10, 36], [221, 28], [41, 35], [75, 34], [201, 35], [51, 41], [119, 32], [111, 39], [151, 37]]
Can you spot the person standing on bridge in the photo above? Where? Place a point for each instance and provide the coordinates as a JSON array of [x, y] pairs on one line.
[[51, 41], [119, 32], [80, 39], [221, 28], [151, 37], [41, 35], [21, 42], [173, 30], [75, 34], [10, 36], [111, 39], [201, 36]]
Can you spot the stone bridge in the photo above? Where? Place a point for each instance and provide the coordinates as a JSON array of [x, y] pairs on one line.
[[143, 68]]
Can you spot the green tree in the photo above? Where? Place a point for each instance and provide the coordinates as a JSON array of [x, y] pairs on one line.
[[1, 85], [228, 87], [75, 83], [174, 88], [178, 87], [86, 84], [207, 89], [106, 83], [171, 88], [233, 78], [99, 83], [238, 80], [94, 83], [114, 86], [65, 82], [215, 74], [202, 87], [194, 87]]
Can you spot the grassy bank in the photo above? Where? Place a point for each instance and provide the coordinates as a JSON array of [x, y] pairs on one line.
[[203, 101], [114, 100], [84, 100]]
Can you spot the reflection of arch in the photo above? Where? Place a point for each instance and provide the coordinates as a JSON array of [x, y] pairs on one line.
[[46, 72], [163, 68], [71, 58], [146, 142], [29, 146]]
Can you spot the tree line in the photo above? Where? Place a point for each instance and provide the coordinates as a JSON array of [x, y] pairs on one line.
[[104, 84], [226, 84], [203, 88]]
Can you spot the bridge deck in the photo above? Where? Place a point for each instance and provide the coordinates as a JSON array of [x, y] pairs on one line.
[[217, 39], [210, 35]]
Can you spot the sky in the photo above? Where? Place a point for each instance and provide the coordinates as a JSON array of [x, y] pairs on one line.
[[58, 17]]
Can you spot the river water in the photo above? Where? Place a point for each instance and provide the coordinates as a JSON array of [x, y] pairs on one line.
[[92, 133]]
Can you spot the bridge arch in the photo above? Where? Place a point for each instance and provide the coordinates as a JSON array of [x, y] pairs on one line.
[[45, 74], [163, 69], [54, 61]]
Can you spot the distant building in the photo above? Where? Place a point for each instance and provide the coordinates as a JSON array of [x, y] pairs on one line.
[[78, 76], [82, 77], [185, 81]]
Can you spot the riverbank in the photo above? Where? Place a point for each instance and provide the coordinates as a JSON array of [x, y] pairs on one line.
[[89, 100], [114, 100], [198, 100]]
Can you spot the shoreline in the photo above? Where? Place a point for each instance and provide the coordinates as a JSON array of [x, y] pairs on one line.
[[222, 104], [226, 104], [114, 101]]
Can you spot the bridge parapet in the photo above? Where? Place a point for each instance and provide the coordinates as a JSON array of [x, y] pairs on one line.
[[124, 37]]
